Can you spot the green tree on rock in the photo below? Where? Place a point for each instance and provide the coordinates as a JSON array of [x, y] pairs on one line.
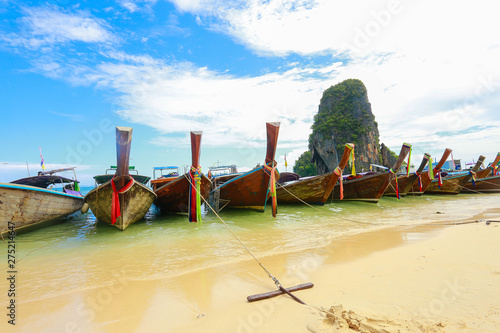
[[304, 166]]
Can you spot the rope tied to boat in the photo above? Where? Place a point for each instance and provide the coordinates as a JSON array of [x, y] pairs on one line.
[[272, 277], [194, 204], [115, 200]]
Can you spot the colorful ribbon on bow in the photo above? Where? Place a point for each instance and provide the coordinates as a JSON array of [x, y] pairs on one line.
[[397, 186], [419, 181], [408, 164], [431, 170], [351, 163], [274, 198], [194, 203], [440, 180], [271, 190], [338, 172], [473, 174], [115, 199]]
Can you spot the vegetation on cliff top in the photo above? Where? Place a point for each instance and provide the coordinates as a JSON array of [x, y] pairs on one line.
[[343, 115]]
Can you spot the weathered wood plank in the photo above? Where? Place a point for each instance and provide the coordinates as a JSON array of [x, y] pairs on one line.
[[275, 293]]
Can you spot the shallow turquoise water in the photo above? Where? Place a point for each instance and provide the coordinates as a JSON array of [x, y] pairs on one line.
[[296, 227]]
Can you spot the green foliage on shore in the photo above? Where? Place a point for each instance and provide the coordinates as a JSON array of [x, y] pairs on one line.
[[344, 115], [304, 165]]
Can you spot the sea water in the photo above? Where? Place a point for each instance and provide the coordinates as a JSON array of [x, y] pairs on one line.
[[81, 252]]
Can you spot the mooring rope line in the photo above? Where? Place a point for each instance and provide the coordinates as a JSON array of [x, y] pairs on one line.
[[272, 277], [479, 192], [396, 225], [296, 197]]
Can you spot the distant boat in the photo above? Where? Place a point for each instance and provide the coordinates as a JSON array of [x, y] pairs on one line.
[[250, 189], [486, 180], [489, 171], [421, 185], [312, 190], [122, 200], [222, 173], [369, 187], [405, 182], [101, 179], [182, 193], [452, 184], [28, 203]]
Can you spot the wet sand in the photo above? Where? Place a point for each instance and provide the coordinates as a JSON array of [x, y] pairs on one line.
[[427, 278]]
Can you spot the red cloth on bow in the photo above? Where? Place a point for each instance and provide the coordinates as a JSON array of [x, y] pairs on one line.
[[115, 200]]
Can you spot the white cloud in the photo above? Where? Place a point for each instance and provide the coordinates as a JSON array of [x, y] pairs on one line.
[[428, 70], [137, 5], [50, 26]]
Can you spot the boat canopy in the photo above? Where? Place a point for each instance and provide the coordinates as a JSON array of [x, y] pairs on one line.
[[46, 178], [171, 171], [165, 168], [114, 168], [222, 170]]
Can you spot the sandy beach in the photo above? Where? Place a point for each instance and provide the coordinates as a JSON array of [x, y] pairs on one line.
[[435, 277], [431, 278]]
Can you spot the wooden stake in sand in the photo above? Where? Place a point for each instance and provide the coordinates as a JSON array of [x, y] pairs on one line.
[[275, 293]]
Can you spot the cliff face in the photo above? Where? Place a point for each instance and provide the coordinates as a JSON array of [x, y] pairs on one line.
[[344, 116]]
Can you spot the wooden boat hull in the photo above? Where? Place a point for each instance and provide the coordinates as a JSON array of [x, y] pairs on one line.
[[32, 207], [451, 185], [314, 190], [483, 185], [173, 196], [248, 190], [134, 203], [368, 188], [405, 184], [425, 180]]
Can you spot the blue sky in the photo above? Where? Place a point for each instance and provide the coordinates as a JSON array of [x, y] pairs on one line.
[[71, 71]]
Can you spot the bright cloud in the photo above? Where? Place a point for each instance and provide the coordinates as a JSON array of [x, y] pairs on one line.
[[137, 5], [429, 70], [230, 110], [48, 26]]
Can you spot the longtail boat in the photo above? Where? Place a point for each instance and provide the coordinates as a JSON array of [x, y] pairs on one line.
[[371, 186], [452, 184], [312, 190], [122, 200], [29, 203], [490, 170], [425, 179], [110, 173], [182, 193], [486, 180], [251, 189], [405, 182]]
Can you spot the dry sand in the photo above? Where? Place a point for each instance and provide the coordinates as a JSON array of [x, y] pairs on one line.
[[430, 278]]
